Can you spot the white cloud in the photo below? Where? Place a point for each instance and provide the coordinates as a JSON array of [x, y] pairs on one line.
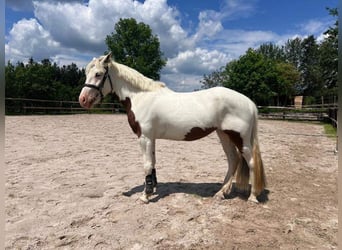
[[81, 60], [73, 25], [316, 27], [184, 72], [182, 82], [207, 27], [195, 61], [28, 39], [85, 27], [312, 26]]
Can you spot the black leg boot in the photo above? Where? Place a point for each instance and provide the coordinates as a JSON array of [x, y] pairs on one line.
[[154, 177], [149, 184]]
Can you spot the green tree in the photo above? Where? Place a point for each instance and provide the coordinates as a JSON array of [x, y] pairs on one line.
[[293, 51], [38, 80], [267, 81], [134, 45], [272, 51], [328, 55], [311, 77], [11, 88], [287, 78], [43, 80], [253, 76], [214, 79]]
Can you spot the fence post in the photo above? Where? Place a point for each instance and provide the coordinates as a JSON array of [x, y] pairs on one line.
[[23, 107]]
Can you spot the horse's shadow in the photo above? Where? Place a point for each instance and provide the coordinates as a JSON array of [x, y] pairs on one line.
[[165, 189]]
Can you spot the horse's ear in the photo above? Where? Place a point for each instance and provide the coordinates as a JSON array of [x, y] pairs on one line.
[[107, 59]]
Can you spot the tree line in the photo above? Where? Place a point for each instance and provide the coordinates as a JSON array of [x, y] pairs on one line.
[[273, 74], [43, 80]]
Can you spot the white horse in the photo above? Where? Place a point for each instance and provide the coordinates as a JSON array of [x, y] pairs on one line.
[[156, 112]]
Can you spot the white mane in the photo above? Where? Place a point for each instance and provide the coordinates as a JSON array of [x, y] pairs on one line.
[[136, 79], [129, 75]]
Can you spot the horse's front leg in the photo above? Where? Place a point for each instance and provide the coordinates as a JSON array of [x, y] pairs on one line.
[[148, 147]]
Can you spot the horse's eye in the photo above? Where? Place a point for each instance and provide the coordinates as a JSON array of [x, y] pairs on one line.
[[97, 74]]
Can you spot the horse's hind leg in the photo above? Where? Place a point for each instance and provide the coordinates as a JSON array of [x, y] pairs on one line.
[[233, 158], [256, 172], [247, 154]]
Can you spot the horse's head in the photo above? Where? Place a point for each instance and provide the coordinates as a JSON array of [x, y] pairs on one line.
[[98, 83]]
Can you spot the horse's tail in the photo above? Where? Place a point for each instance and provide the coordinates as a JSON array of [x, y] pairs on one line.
[[259, 172], [242, 172], [242, 175]]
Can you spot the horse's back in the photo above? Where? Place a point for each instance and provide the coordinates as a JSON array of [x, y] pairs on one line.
[[217, 101]]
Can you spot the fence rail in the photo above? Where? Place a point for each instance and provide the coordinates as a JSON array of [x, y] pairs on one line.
[[19, 106], [319, 112]]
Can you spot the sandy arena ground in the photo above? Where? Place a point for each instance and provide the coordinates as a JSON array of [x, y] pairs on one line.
[[73, 182]]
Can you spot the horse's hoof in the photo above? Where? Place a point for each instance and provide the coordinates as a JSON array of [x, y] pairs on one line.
[[219, 196], [144, 198], [252, 199]]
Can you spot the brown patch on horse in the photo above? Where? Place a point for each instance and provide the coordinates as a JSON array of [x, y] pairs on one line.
[[198, 133], [236, 138], [135, 126]]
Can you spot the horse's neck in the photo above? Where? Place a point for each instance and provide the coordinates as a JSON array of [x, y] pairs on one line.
[[124, 90], [121, 88]]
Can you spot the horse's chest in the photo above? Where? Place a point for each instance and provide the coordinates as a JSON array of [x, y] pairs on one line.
[[133, 123]]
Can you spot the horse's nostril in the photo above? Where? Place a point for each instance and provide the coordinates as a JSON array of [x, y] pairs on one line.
[[82, 99]]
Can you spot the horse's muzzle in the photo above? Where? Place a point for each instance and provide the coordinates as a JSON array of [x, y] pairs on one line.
[[86, 100], [83, 101]]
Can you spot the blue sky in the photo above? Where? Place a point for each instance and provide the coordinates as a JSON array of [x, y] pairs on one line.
[[196, 36]]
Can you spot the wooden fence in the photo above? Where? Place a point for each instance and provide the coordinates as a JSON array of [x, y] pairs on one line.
[[19, 106], [321, 112]]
